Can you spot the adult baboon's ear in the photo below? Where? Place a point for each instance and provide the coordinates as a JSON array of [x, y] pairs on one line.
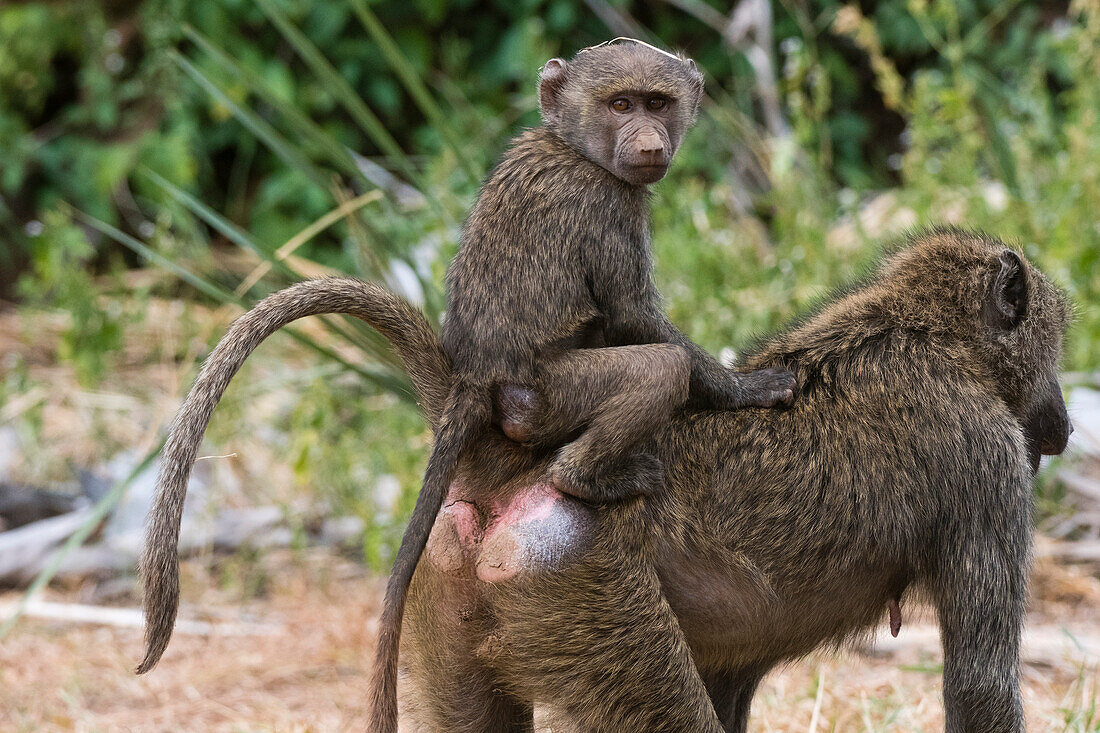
[[551, 84], [1006, 303]]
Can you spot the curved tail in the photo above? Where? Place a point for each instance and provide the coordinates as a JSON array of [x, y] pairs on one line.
[[405, 327], [467, 412]]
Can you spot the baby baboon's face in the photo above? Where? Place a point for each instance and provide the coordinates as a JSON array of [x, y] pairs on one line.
[[624, 106]]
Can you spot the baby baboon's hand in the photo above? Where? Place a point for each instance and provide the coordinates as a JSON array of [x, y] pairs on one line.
[[766, 387]]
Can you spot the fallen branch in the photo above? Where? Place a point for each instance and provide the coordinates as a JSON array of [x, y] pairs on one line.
[[1084, 486], [129, 618], [1050, 646], [24, 551], [1083, 551]]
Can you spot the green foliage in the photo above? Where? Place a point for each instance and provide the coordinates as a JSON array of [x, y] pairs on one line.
[[178, 127], [89, 96], [1030, 173], [330, 432], [76, 108], [58, 258]]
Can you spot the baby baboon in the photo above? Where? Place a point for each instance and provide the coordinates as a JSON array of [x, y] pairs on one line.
[[926, 396], [554, 328], [551, 303]]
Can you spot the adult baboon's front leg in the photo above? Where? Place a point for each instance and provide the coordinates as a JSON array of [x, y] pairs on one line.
[[979, 597], [599, 645]]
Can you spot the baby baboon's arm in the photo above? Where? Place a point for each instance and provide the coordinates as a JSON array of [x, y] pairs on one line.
[[635, 315]]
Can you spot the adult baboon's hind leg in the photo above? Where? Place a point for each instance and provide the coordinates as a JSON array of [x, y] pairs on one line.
[[445, 685], [599, 645]]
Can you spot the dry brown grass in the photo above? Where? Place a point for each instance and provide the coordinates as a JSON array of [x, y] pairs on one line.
[[308, 675], [311, 673]]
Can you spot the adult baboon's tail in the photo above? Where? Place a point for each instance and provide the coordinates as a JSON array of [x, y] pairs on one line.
[[405, 327], [467, 413]]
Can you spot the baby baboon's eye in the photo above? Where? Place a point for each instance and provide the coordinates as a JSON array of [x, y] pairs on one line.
[[657, 103], [622, 104]]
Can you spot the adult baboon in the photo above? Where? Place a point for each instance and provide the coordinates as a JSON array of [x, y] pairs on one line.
[[928, 394]]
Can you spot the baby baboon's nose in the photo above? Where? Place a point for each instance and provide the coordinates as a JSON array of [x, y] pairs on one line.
[[650, 142]]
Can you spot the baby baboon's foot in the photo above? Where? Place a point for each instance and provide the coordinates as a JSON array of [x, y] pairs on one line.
[[766, 387], [517, 408], [638, 475]]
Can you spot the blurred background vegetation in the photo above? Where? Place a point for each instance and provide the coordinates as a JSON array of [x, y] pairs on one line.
[[240, 145]]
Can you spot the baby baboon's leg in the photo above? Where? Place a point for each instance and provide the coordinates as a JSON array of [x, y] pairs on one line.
[[619, 396]]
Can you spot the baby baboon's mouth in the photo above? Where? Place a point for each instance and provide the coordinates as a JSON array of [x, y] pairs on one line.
[[647, 172]]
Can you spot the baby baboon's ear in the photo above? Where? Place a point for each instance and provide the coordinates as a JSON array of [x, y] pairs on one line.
[[696, 84], [551, 83], [1006, 302]]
